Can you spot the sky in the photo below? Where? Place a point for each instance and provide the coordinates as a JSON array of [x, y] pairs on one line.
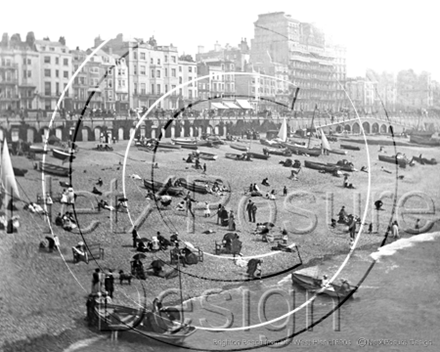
[[386, 35]]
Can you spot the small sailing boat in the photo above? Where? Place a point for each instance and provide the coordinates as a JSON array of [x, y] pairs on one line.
[[325, 144], [282, 134]]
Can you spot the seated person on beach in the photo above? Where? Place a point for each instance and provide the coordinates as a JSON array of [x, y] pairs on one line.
[[265, 182], [181, 206], [254, 268], [59, 220], [137, 269], [378, 204], [345, 287], [242, 263], [342, 215], [163, 242], [189, 159], [346, 184], [80, 252], [364, 169]]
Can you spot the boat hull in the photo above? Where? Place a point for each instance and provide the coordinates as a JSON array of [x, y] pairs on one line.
[[242, 148], [425, 161], [338, 151], [193, 187], [296, 149], [393, 160], [234, 156], [259, 156], [424, 140], [37, 149], [206, 156], [320, 166], [350, 147], [53, 169], [279, 151], [313, 284], [62, 155], [159, 188]]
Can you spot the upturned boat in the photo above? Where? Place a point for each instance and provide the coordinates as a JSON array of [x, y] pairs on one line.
[[191, 186], [338, 151], [315, 285]]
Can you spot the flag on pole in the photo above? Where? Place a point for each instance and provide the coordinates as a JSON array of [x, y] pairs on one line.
[[270, 57]]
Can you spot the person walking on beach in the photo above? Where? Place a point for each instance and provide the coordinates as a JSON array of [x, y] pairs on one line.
[[352, 228], [96, 282], [249, 210], [207, 210], [231, 222], [204, 168], [395, 230], [135, 236], [188, 200], [219, 212], [251, 188], [285, 191], [109, 283], [254, 211]]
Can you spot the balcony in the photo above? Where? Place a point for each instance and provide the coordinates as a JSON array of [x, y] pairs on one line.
[[11, 97], [8, 65], [10, 81]]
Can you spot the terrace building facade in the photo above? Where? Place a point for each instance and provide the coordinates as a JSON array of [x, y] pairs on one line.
[[314, 65]]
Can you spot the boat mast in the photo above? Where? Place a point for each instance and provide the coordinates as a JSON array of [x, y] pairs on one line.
[[180, 287], [311, 127]]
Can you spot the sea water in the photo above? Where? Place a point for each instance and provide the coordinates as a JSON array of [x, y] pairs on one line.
[[396, 308]]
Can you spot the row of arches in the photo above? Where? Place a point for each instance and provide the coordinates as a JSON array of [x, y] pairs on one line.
[[356, 128]]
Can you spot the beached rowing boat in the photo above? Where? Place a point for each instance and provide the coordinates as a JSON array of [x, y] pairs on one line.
[[37, 149], [338, 151], [52, 169], [344, 165], [159, 188], [313, 284], [62, 155], [19, 172], [270, 143], [240, 147], [399, 159], [182, 182], [258, 155], [299, 149], [190, 143], [233, 156], [424, 161], [205, 155], [350, 147], [278, 151], [320, 166]]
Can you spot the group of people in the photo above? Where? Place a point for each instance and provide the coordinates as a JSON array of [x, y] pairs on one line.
[[103, 283]]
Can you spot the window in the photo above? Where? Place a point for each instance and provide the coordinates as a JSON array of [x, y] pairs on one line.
[[110, 83], [166, 58], [57, 88], [51, 49], [190, 69], [24, 61], [29, 61], [180, 68], [180, 80], [47, 88], [173, 87], [158, 73], [158, 89], [135, 56], [29, 93], [152, 61], [158, 61], [119, 83], [152, 73], [143, 88], [47, 59], [57, 61], [173, 72], [135, 89], [47, 73], [180, 91], [29, 74], [173, 59], [190, 92], [142, 70], [66, 62], [57, 73], [66, 74], [166, 88], [142, 56], [152, 89], [24, 73], [47, 105], [63, 50]]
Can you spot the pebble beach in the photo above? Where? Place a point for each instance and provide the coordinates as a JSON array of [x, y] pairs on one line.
[[42, 296]]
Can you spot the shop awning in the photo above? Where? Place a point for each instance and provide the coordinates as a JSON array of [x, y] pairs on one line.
[[218, 106], [231, 105], [244, 104]]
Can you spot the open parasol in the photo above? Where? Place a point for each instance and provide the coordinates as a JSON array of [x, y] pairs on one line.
[[139, 256]]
